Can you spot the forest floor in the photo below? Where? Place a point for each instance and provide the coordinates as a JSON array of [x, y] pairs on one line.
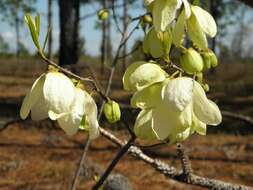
[[36, 155]]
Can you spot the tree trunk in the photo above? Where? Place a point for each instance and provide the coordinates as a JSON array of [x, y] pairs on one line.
[[17, 30], [103, 44], [248, 2], [69, 31], [50, 27], [125, 20]]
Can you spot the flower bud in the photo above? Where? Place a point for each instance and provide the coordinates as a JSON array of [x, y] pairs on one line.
[[112, 111], [191, 61], [214, 60], [207, 60], [103, 14], [147, 19]]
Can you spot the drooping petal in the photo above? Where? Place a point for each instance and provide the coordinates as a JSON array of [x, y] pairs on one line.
[[70, 123], [164, 12], [32, 97], [205, 110], [142, 74], [196, 33], [187, 8], [179, 30], [205, 20], [91, 113], [149, 97], [143, 125], [178, 137], [59, 92], [155, 44], [177, 93], [198, 126], [39, 110]]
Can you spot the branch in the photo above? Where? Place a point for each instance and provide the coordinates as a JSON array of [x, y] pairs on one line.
[[244, 118], [172, 172]]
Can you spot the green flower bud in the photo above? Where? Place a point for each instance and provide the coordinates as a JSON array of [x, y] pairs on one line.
[[112, 111], [210, 59], [214, 60], [103, 14], [207, 60], [206, 87], [147, 19], [191, 61]]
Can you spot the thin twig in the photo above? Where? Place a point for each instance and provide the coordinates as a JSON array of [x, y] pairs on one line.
[[114, 162], [185, 161], [81, 163], [115, 18]]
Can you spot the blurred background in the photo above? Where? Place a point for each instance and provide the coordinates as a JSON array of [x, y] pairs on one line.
[[37, 155]]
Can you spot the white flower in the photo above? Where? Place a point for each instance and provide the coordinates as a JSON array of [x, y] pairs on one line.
[[82, 109], [54, 95], [174, 109], [165, 11], [52, 91], [141, 74]]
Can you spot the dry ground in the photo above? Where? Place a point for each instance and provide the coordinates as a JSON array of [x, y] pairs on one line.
[[37, 156]]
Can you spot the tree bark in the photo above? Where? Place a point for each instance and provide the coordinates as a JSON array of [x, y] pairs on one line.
[[103, 44], [248, 2], [69, 31], [50, 27], [125, 20], [17, 29]]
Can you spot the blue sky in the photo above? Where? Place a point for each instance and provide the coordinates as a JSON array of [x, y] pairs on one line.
[[93, 36]]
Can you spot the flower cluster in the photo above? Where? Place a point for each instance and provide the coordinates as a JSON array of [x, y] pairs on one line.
[[171, 108], [55, 96]]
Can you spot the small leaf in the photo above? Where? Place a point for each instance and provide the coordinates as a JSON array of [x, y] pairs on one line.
[[46, 39], [37, 24]]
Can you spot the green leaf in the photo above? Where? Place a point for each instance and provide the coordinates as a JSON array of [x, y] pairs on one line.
[[32, 27], [46, 39], [37, 24]]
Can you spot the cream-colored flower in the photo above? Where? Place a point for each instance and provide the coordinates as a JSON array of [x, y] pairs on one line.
[[82, 108], [52, 91], [174, 109], [54, 95], [142, 74]]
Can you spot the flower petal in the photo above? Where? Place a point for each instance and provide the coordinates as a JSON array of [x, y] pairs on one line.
[[142, 74], [59, 92], [205, 20], [177, 93], [205, 110], [179, 30], [164, 12], [196, 33], [149, 97], [143, 125], [198, 126], [39, 110], [70, 123], [91, 113], [32, 97], [187, 8]]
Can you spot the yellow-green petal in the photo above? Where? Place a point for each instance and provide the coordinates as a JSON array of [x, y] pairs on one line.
[[143, 125], [204, 109], [164, 12], [142, 74], [205, 20], [32, 97]]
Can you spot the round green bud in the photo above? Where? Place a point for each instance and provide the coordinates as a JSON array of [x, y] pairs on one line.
[[147, 19], [206, 87], [207, 60], [112, 111], [103, 14], [214, 60], [191, 61]]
